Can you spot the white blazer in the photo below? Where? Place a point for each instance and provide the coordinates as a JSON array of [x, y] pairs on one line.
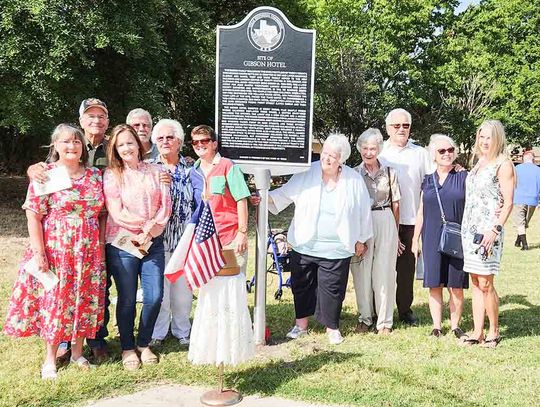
[[353, 214]]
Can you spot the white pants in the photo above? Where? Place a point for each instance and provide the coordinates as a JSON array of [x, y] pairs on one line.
[[374, 275], [175, 308]]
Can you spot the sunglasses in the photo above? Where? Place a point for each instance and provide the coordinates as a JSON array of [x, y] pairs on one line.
[[450, 150], [398, 125], [139, 247], [203, 142], [162, 139]]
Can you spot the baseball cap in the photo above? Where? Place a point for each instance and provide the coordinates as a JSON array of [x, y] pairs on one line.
[[92, 102]]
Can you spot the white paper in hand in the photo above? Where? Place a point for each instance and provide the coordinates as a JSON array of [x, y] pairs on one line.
[[58, 180], [48, 279], [123, 241]]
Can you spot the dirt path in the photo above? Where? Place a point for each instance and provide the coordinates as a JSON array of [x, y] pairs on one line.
[[188, 396]]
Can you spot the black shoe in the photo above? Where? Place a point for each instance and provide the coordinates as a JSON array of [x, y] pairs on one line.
[[409, 319], [100, 355], [518, 241], [436, 333], [524, 245], [458, 332]]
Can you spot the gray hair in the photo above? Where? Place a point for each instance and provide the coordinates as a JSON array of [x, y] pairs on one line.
[[173, 124], [398, 111], [138, 112], [371, 135], [438, 137], [339, 143]]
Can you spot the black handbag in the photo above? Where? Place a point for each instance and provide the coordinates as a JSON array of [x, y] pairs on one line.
[[450, 241]]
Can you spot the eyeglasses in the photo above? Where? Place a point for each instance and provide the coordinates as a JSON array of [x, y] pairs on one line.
[[97, 116], [139, 247], [73, 142], [450, 150], [161, 139], [398, 125], [203, 141]]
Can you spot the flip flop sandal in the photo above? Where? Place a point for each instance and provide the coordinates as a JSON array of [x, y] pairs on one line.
[[491, 343], [131, 361], [82, 363], [148, 357], [470, 342], [48, 371]]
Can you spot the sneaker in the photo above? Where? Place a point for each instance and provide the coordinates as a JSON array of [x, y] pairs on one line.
[[296, 332], [154, 343], [183, 340], [334, 337]]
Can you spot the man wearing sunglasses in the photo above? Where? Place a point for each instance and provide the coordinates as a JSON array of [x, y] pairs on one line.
[[412, 164]]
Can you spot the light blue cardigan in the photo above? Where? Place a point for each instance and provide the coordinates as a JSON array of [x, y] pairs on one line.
[[353, 214]]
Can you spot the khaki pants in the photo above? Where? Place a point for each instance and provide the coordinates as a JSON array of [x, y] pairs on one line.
[[522, 216], [374, 275]]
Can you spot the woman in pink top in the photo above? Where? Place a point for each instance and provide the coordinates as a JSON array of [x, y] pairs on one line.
[[139, 207]]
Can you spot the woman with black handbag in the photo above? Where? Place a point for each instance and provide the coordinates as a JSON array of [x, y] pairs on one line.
[[439, 215]]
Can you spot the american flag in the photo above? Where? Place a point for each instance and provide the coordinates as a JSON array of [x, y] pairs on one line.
[[198, 253]]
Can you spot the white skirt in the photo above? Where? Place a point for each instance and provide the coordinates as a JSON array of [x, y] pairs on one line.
[[222, 330]]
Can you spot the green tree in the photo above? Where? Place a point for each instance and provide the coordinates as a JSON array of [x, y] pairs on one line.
[[371, 55], [489, 67]]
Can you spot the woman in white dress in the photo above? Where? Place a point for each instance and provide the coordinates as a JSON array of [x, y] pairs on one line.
[[488, 204], [222, 331]]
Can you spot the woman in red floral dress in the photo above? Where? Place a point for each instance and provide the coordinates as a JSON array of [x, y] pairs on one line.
[[64, 229]]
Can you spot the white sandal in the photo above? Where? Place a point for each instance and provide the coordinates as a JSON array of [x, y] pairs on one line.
[[48, 371], [81, 362]]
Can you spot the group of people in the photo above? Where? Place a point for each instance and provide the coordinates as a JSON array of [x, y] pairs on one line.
[[374, 221], [135, 187]]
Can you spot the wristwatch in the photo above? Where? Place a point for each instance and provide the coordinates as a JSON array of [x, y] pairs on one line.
[[243, 230], [497, 229]]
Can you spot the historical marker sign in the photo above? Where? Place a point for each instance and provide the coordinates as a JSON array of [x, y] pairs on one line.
[[264, 92]]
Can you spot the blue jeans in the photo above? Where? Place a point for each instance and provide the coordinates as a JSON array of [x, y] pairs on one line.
[[126, 270]]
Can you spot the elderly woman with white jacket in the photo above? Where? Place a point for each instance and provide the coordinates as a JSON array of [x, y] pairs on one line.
[[331, 223]]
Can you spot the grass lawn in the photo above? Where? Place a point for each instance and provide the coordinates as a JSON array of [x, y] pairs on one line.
[[407, 368]]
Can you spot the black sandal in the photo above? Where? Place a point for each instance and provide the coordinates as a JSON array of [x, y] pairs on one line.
[[470, 342], [436, 333], [458, 333], [491, 343]]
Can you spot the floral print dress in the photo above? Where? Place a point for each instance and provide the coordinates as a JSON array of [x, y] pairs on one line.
[[74, 307], [483, 197]]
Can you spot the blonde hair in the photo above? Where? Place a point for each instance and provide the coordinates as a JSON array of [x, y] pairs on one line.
[[71, 130], [498, 139]]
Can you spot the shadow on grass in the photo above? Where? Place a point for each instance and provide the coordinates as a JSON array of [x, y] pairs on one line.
[[278, 373], [520, 321]]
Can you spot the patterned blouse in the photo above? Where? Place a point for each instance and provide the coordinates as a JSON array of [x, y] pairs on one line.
[[183, 203], [137, 202]]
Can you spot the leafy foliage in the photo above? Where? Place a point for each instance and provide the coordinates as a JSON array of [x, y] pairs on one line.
[[451, 71]]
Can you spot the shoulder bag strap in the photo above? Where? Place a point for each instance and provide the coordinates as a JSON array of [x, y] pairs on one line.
[[390, 185], [438, 197]]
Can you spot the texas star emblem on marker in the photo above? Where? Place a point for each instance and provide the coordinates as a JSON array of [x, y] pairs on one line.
[[268, 32]]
